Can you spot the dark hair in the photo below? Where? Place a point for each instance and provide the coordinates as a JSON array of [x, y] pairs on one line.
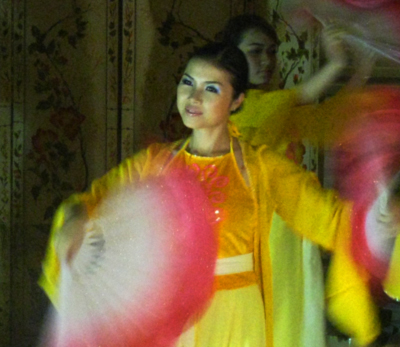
[[229, 58], [233, 32]]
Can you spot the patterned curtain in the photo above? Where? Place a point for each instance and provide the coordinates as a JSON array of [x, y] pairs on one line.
[[83, 84]]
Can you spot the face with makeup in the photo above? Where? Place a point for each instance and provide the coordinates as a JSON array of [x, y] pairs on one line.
[[205, 96], [260, 51]]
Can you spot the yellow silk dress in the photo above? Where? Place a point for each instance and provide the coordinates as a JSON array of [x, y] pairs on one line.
[[236, 314], [242, 312]]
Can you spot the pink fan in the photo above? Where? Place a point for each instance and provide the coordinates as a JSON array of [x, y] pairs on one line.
[[367, 162], [371, 23], [370, 4], [144, 270]]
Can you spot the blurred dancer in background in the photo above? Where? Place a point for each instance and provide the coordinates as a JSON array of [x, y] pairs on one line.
[[265, 118]]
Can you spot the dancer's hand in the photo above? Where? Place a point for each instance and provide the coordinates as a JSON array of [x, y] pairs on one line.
[[363, 60], [394, 204], [388, 215], [69, 238], [383, 222], [332, 41], [333, 44]]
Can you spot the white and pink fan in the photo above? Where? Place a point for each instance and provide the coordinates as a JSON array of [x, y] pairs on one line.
[[367, 166], [373, 24], [145, 268]]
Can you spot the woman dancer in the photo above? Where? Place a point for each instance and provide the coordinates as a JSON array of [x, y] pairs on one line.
[[266, 119], [246, 185]]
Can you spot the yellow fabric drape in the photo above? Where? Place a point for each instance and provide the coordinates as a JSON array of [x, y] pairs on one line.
[[297, 272], [392, 280]]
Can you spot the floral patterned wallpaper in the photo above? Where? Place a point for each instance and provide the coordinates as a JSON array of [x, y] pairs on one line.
[[83, 84], [57, 90]]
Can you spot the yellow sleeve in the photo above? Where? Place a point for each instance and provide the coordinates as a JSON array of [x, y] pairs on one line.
[[260, 105], [323, 122], [391, 283], [130, 171], [326, 122], [277, 119], [262, 117], [324, 218], [350, 306], [313, 212], [273, 118]]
